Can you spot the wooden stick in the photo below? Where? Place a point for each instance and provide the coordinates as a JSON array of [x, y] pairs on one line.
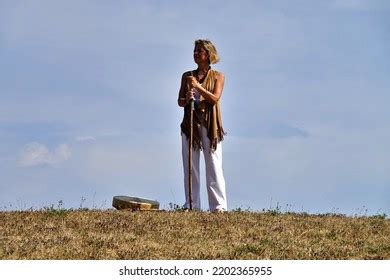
[[190, 153]]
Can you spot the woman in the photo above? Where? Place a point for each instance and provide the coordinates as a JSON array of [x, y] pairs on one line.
[[203, 85]]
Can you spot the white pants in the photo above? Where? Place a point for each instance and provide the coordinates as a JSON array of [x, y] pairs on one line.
[[215, 181]]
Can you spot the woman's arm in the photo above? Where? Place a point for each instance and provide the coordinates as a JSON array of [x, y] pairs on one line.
[[182, 100], [211, 97]]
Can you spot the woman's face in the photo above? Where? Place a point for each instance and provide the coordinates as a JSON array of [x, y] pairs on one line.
[[200, 54]]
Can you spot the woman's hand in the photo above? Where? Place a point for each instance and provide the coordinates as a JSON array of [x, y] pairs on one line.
[[192, 85], [190, 95], [193, 82]]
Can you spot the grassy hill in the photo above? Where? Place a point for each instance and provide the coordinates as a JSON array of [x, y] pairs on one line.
[[111, 234]]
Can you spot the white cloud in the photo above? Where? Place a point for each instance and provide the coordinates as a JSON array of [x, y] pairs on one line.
[[85, 139], [62, 153], [36, 154]]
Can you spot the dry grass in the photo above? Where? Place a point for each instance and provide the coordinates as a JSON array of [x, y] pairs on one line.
[[177, 235]]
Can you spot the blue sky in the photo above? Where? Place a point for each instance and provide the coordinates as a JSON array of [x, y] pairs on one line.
[[88, 101]]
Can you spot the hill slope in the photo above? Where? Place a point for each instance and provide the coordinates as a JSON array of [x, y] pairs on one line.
[[109, 234]]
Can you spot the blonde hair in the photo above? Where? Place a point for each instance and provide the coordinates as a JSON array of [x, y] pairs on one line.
[[210, 48]]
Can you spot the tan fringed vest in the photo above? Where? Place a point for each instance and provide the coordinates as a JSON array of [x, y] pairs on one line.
[[207, 115]]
